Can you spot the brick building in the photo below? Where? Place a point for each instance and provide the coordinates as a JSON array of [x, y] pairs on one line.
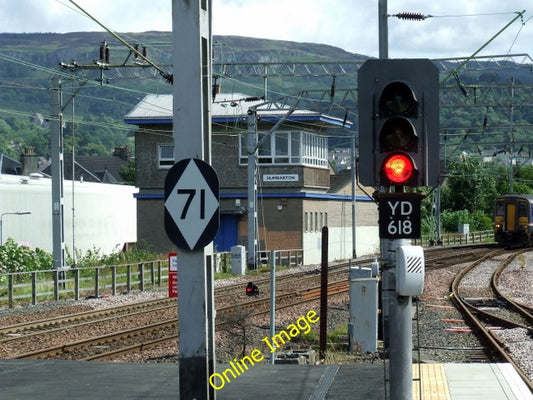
[[297, 192]]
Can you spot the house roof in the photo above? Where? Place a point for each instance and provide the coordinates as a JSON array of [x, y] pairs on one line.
[[9, 166], [227, 108], [101, 169]]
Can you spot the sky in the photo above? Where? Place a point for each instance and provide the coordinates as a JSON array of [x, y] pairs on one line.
[[456, 28]]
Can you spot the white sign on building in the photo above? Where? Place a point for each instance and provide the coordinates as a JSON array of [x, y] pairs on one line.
[[280, 178]]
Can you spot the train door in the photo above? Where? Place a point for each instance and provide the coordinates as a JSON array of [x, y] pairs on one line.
[[510, 217]]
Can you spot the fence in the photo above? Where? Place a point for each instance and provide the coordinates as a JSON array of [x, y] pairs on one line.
[[285, 258], [457, 238], [73, 283]]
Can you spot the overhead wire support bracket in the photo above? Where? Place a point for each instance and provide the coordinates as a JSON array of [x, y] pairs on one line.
[[455, 70], [168, 76], [278, 122]]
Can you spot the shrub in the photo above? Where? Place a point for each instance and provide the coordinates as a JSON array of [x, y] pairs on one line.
[[19, 258]]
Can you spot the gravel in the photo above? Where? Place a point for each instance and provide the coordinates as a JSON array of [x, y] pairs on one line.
[[442, 334]]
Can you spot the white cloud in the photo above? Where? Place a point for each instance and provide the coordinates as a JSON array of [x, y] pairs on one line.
[[351, 25]]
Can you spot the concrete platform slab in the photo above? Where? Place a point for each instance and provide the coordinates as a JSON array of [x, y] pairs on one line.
[[52, 380]]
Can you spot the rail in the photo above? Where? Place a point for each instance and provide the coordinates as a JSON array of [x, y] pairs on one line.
[[73, 283]]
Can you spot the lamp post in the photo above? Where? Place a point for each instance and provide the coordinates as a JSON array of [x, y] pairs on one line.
[[9, 213]]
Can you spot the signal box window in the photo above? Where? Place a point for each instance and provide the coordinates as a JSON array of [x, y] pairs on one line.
[[165, 156], [285, 148]]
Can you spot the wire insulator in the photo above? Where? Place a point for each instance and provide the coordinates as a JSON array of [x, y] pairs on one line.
[[333, 86], [411, 16], [249, 99], [102, 51]]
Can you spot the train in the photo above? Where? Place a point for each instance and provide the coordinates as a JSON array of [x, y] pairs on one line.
[[513, 220]]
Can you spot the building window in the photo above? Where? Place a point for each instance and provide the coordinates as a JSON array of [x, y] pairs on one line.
[[287, 147], [165, 156]]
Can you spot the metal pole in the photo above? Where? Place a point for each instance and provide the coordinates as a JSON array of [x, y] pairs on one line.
[[73, 182], [511, 145], [324, 293], [272, 301], [251, 143], [397, 327], [383, 29], [191, 32], [210, 318], [353, 166], [56, 149]]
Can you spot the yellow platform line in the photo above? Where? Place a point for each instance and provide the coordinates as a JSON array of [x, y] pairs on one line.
[[434, 383]]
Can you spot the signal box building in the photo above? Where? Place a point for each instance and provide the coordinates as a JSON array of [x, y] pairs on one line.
[[297, 193]]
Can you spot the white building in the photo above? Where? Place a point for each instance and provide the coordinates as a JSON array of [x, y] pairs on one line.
[[104, 215]]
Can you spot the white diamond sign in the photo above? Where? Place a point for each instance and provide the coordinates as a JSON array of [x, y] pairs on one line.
[[191, 204]]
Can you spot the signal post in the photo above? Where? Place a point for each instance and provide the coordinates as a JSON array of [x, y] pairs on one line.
[[399, 149]]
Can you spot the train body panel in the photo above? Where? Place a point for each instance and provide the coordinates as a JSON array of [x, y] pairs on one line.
[[513, 220]]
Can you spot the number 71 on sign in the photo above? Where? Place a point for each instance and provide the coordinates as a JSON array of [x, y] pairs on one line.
[[191, 204]]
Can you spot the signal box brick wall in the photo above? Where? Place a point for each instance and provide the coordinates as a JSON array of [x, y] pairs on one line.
[[307, 203]]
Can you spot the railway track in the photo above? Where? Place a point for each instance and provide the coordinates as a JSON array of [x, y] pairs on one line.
[[120, 342], [487, 311], [107, 346], [30, 334]]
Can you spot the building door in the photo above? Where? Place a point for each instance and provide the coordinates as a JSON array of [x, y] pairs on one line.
[[227, 235]]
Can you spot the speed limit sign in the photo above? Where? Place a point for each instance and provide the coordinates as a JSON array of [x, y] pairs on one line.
[[399, 215]]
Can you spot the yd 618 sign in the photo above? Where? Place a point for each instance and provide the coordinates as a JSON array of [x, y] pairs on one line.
[[399, 216]]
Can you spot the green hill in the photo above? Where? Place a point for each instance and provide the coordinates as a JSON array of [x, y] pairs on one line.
[[489, 119], [28, 61]]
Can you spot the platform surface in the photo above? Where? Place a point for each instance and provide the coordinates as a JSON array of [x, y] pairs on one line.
[[47, 380]]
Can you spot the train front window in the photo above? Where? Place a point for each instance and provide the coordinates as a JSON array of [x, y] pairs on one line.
[[500, 208], [522, 209]]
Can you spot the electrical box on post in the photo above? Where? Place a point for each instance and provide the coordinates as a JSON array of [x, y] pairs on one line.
[[410, 270]]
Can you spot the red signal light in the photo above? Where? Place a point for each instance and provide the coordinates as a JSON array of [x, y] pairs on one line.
[[398, 168], [252, 289]]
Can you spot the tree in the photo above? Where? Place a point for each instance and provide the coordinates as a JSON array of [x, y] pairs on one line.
[[469, 187], [127, 172]]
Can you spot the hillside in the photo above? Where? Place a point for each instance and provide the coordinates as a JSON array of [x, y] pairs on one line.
[[482, 122], [27, 61]]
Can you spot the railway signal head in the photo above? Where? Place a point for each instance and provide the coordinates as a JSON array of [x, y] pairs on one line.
[[252, 289], [398, 123]]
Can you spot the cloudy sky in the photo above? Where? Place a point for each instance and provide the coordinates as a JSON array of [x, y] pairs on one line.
[[457, 28]]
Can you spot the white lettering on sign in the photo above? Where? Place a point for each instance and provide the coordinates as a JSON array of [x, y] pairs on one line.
[[406, 208], [400, 227], [280, 178], [399, 216]]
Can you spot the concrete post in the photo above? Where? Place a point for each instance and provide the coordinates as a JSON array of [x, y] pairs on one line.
[[191, 27]]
